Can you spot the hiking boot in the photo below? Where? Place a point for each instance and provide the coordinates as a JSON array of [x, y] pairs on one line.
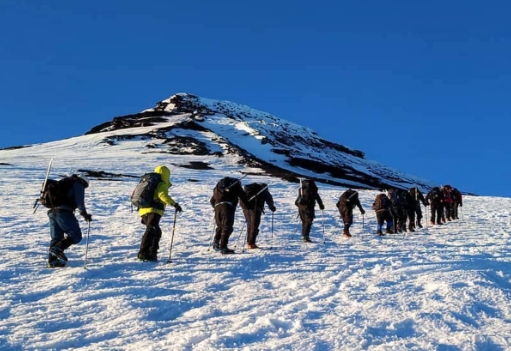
[[410, 229], [432, 223], [419, 225], [142, 256], [58, 254], [389, 231], [216, 246], [346, 234], [252, 246], [306, 240], [439, 223], [55, 264], [380, 233], [226, 251]]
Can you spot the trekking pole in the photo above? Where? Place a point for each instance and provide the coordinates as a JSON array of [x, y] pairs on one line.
[[297, 227], [363, 223], [241, 231], [323, 223], [271, 240], [86, 248], [212, 235], [169, 260]]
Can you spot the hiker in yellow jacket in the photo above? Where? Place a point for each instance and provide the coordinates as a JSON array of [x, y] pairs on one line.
[[151, 216]]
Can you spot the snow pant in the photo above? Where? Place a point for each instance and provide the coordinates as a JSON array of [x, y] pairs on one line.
[[399, 217], [383, 216], [152, 235], [64, 223], [436, 212], [307, 215], [253, 219], [410, 213], [449, 210], [455, 211], [224, 220], [418, 212], [346, 214]]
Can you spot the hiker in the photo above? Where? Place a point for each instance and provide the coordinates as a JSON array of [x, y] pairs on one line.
[[382, 206], [416, 197], [347, 202], [458, 202], [398, 208], [448, 203], [64, 228], [435, 199], [258, 195], [151, 214], [306, 201], [225, 198]]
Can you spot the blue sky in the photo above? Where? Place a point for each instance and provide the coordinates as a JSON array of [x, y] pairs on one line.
[[421, 86]]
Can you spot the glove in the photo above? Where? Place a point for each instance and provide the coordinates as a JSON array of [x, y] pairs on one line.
[[321, 207], [362, 211], [177, 207], [86, 216], [461, 205], [273, 209]]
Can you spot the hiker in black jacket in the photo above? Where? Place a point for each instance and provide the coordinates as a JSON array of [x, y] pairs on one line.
[[306, 201], [225, 200], [258, 195], [383, 208], [458, 202], [398, 198], [347, 202], [64, 228], [435, 198], [416, 197]]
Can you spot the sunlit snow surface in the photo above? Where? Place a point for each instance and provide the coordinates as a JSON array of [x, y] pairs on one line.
[[442, 288]]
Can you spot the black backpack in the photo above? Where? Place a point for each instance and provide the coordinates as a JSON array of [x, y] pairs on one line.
[[223, 189], [143, 195], [398, 197], [307, 193], [56, 192], [434, 194], [252, 190], [381, 202], [348, 199]]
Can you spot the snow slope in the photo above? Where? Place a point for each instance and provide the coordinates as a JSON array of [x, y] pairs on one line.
[[443, 288]]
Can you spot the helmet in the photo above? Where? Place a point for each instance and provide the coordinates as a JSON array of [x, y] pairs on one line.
[[84, 179]]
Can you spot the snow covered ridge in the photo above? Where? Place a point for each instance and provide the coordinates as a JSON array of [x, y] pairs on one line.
[[280, 148]]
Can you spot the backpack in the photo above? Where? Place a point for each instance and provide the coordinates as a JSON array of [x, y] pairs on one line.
[[143, 195], [349, 198], [222, 189], [56, 192], [434, 194], [253, 189], [398, 197], [414, 193], [307, 193], [381, 202]]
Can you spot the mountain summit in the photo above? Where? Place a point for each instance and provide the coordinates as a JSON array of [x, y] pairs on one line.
[[185, 124]]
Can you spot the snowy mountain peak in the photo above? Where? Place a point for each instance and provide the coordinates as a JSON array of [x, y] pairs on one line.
[[188, 124]]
